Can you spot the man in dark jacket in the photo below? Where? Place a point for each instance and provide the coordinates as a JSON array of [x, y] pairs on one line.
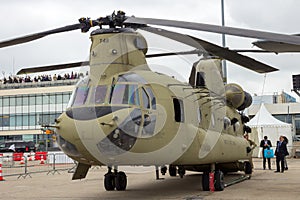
[[281, 152], [265, 144]]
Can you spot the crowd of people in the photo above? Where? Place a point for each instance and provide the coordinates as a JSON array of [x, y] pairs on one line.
[[39, 78]]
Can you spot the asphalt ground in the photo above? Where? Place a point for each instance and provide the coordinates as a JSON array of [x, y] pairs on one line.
[[264, 184]]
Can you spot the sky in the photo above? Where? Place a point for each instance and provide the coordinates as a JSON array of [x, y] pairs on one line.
[[25, 17]]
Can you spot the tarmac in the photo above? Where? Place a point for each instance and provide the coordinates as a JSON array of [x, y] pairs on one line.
[[264, 184]]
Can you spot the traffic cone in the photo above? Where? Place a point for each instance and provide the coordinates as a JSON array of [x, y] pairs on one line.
[[30, 157], [22, 161], [42, 160], [1, 177]]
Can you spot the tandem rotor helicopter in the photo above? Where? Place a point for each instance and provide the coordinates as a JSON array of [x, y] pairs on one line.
[[125, 114]]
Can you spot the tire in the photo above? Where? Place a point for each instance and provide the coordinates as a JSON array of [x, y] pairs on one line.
[[205, 181], [248, 167], [121, 181], [172, 170], [109, 182], [219, 181]]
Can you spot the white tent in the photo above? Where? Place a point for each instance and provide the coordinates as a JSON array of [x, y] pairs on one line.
[[264, 124]]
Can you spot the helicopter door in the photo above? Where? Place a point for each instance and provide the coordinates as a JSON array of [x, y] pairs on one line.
[[149, 114]]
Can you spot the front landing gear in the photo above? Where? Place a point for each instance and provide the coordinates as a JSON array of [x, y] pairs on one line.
[[115, 180]]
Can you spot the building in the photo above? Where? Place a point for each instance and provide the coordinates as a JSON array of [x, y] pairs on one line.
[[275, 98], [24, 107]]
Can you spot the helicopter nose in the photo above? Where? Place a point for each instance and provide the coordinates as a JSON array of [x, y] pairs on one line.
[[123, 137]]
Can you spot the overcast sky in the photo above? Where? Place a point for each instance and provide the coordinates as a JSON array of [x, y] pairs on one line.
[[24, 17]]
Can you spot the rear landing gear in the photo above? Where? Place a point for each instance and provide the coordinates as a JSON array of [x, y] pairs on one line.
[[115, 180], [218, 181]]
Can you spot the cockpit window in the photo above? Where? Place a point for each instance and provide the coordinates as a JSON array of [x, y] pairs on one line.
[[80, 96], [131, 77], [152, 97], [80, 93], [125, 94], [146, 102], [98, 94]]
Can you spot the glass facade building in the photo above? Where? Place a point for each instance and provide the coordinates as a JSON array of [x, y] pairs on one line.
[[24, 107]]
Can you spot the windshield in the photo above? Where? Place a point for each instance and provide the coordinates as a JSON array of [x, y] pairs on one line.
[[98, 94], [80, 93], [125, 94]]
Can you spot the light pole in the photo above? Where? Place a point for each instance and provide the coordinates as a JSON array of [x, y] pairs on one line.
[[224, 67]]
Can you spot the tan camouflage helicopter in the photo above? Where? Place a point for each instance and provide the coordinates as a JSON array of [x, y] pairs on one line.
[[125, 114]]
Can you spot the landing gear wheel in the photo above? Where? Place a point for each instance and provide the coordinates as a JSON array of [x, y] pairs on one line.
[[205, 181], [172, 170], [181, 172], [248, 168], [120, 181], [219, 181], [109, 181]]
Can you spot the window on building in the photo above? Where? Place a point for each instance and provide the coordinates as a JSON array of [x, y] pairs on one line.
[[52, 99], [59, 98], [32, 100], [4, 121], [5, 101], [32, 120], [25, 120], [12, 101], [39, 100], [66, 97], [25, 100], [18, 120], [19, 101]]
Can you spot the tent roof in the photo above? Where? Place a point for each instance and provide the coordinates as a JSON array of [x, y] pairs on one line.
[[264, 118]]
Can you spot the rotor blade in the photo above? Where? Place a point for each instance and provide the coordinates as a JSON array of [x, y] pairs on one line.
[[224, 53], [278, 47], [52, 67], [39, 35], [290, 39]]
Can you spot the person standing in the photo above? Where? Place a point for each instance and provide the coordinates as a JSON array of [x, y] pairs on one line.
[[281, 152], [285, 163], [250, 149], [265, 144]]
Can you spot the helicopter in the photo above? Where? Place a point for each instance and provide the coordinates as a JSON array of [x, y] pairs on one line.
[[123, 113]]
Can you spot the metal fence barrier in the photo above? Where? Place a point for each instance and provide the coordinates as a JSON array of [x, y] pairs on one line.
[[26, 164]]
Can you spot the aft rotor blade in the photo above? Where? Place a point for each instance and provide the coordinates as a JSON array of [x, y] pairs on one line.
[[39, 35], [221, 52], [52, 67], [290, 39], [196, 51], [278, 47]]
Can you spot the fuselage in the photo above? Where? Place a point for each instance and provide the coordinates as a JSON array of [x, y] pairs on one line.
[[125, 114]]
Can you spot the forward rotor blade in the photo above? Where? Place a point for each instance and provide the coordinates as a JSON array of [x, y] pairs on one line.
[[290, 39], [224, 53], [39, 35], [52, 67]]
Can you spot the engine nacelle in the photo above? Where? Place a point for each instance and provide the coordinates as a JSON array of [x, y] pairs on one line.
[[237, 97]]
